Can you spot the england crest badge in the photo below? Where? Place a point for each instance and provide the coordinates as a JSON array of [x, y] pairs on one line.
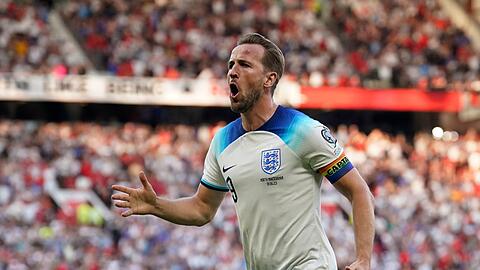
[[271, 160]]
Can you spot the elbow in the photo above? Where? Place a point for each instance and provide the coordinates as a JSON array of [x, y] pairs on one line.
[[372, 198], [204, 213], [369, 195], [203, 220]]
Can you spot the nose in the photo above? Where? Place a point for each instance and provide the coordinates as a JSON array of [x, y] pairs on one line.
[[232, 72]]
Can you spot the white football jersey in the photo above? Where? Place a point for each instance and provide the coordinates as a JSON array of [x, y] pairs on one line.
[[274, 175]]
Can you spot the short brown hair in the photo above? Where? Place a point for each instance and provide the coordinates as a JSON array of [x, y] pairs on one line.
[[273, 59]]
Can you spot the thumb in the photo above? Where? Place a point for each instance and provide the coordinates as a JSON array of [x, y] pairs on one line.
[[145, 183]]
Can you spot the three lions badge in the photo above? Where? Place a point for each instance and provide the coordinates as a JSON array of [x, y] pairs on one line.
[[271, 160]]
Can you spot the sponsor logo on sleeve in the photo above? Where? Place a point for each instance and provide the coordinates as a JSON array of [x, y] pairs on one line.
[[327, 136]]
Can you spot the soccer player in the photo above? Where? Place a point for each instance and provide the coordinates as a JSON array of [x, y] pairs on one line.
[[272, 160]]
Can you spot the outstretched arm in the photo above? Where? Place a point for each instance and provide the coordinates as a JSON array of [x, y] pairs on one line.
[[356, 190], [197, 210]]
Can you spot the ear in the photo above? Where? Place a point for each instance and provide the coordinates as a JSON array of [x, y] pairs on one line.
[[270, 79]]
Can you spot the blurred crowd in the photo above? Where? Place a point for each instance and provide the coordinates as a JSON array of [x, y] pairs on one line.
[[427, 194], [38, 233], [193, 38], [376, 44], [427, 198], [404, 43], [29, 45], [340, 43]]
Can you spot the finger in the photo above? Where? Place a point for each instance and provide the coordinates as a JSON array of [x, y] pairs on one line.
[[127, 213], [122, 204], [122, 189], [143, 178], [121, 197]]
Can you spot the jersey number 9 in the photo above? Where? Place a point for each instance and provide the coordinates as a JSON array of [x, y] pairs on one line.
[[232, 189]]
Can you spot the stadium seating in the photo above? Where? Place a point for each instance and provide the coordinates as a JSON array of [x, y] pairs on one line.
[[427, 198], [427, 190], [28, 44], [346, 44], [359, 44]]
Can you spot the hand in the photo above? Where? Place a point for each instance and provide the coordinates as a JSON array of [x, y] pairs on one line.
[[139, 201], [359, 265]]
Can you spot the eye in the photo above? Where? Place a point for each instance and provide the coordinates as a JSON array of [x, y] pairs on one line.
[[244, 64]]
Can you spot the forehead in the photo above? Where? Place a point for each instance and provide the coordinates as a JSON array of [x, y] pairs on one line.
[[251, 52]]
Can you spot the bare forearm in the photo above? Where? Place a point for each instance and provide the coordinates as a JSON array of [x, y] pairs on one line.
[[184, 211], [196, 210], [364, 224]]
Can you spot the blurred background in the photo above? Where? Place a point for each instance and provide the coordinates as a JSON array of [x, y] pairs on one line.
[[93, 91]]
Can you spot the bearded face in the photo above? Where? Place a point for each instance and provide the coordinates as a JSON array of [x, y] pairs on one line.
[[241, 103], [245, 76]]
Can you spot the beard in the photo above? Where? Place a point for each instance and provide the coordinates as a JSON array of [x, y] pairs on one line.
[[246, 103]]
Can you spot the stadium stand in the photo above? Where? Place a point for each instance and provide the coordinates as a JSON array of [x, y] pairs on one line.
[[427, 189], [359, 44], [28, 44], [163, 39], [405, 44], [427, 198]]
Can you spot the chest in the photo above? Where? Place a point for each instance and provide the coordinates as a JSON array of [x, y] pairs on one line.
[[258, 161]]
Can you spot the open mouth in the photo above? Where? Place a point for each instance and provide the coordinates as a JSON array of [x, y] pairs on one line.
[[233, 90]]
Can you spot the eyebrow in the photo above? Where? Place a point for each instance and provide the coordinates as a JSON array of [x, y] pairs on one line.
[[240, 61]]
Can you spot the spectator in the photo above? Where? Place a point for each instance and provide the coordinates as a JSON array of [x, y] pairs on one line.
[[376, 44], [427, 198], [28, 44]]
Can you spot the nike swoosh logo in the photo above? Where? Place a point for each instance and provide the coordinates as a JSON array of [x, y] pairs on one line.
[[228, 168]]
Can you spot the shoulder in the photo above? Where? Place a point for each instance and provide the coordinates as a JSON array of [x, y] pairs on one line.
[[227, 135], [292, 126], [232, 129], [300, 119], [292, 120]]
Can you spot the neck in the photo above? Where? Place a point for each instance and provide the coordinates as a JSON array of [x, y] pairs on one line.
[[263, 110]]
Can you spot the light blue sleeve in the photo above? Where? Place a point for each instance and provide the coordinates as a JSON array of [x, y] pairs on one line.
[[312, 142], [212, 177], [324, 154], [320, 147]]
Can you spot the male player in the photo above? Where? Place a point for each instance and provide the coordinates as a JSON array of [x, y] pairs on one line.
[[272, 159]]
